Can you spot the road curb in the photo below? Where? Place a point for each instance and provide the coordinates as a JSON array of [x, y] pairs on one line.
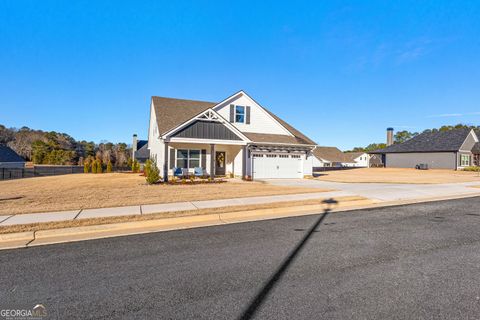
[[16, 240], [63, 235]]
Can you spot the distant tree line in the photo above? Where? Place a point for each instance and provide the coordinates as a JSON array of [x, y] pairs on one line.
[[402, 136], [56, 148]]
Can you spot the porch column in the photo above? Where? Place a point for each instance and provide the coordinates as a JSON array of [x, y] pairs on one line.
[[165, 163], [212, 161], [244, 162]]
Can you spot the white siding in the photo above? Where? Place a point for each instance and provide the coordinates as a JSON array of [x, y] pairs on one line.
[[362, 160], [308, 165], [155, 144], [260, 120], [317, 162]]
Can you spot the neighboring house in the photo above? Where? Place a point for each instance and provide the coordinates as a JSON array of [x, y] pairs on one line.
[[234, 137], [333, 157], [375, 161], [454, 149], [356, 159], [10, 159], [327, 157], [140, 150]]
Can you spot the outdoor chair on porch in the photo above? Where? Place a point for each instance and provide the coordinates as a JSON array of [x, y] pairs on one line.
[[178, 172], [198, 172]]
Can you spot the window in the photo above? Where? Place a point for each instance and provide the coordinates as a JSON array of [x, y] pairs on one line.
[[465, 160], [296, 156], [240, 114], [283, 156], [188, 159], [271, 155]]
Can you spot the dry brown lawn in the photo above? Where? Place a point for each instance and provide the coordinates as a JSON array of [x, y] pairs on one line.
[[397, 175], [81, 191]]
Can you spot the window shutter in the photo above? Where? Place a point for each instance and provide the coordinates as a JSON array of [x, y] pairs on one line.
[[172, 158], [232, 113], [203, 163], [247, 115]]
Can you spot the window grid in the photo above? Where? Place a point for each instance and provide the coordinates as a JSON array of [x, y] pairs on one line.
[[187, 159], [239, 114]]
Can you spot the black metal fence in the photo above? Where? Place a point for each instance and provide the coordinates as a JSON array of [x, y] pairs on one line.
[[43, 171]]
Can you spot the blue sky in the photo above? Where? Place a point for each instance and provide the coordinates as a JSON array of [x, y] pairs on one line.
[[340, 71]]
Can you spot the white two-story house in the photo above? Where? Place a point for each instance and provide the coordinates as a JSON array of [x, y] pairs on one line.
[[234, 137]]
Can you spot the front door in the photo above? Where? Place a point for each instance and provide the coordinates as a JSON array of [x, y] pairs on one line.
[[220, 161]]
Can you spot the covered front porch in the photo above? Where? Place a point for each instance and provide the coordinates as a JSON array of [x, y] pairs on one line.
[[211, 159]]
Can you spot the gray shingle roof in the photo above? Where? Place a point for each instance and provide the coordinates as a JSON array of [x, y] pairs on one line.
[[476, 148], [332, 154], [142, 152], [8, 155], [173, 112], [441, 141], [141, 143]]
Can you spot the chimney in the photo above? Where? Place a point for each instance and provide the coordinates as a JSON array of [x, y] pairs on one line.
[[389, 136], [134, 145]]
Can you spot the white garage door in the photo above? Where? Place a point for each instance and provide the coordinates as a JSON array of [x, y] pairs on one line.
[[267, 166]]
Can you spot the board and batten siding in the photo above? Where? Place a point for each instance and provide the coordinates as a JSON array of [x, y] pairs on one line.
[[207, 130], [260, 120], [435, 160]]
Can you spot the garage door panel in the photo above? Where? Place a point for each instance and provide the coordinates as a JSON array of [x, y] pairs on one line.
[[277, 166]]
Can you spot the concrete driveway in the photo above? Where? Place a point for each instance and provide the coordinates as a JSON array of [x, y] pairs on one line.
[[385, 191]]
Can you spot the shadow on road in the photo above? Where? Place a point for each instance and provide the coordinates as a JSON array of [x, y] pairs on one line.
[[263, 293]]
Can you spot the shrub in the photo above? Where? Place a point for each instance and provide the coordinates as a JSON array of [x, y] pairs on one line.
[[99, 166], [94, 166], [109, 167], [147, 167], [135, 166], [472, 168], [152, 174], [86, 167]]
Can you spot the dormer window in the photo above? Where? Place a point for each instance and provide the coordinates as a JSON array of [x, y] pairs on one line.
[[239, 114]]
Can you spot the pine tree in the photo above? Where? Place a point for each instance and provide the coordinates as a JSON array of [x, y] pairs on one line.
[[86, 167], [109, 167], [147, 167], [153, 175], [135, 166], [99, 166], [94, 166]]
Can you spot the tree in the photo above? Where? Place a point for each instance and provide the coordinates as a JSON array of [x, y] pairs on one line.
[[99, 166], [135, 166], [147, 167], [94, 166], [109, 167], [375, 146], [402, 136], [86, 167], [153, 174]]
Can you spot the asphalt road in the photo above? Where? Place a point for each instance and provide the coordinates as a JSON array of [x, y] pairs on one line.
[[408, 262]]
